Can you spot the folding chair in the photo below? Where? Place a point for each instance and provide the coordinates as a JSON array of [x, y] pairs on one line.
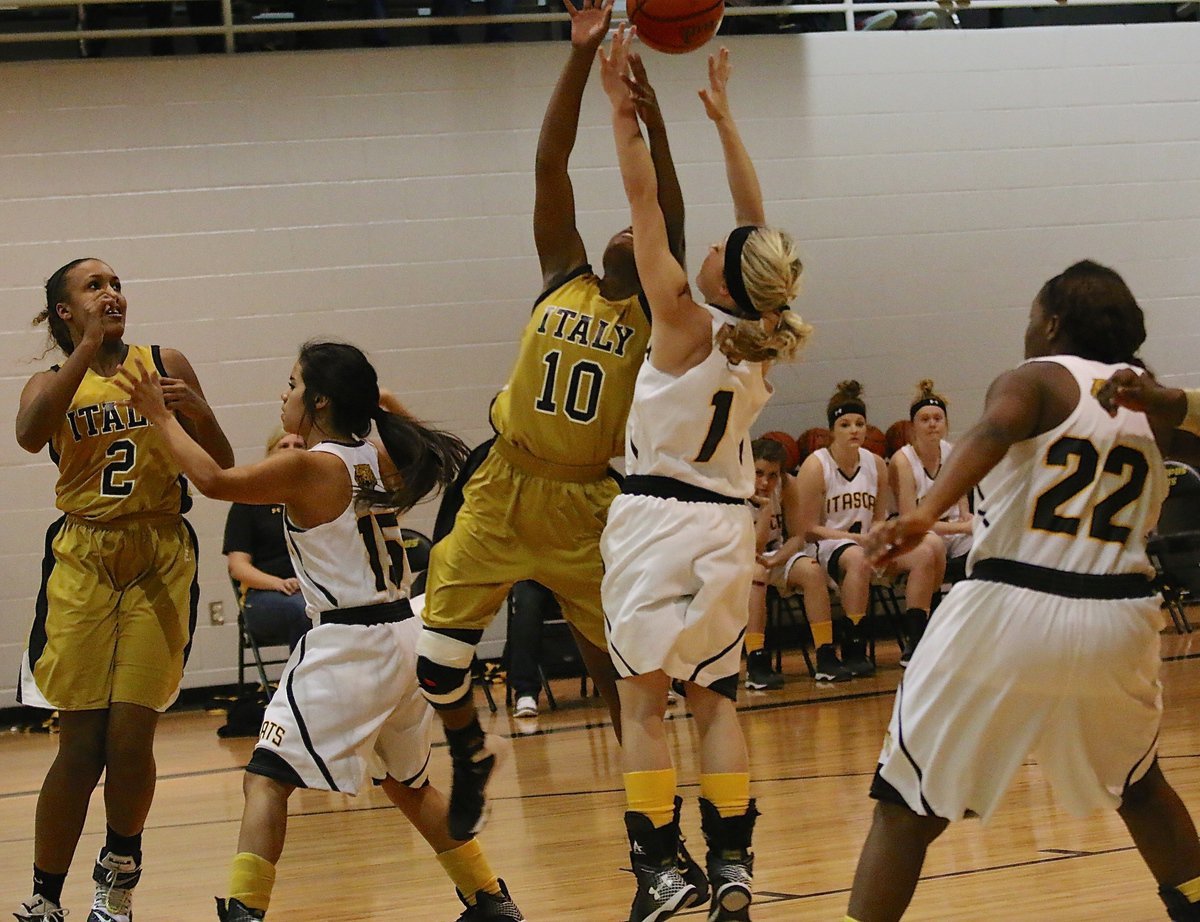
[[884, 605], [556, 635], [787, 613], [1174, 546], [250, 649]]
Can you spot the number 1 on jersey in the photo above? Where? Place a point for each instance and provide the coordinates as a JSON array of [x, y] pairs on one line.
[[722, 402]]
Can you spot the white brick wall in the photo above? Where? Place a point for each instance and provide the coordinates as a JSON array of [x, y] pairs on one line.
[[935, 179]]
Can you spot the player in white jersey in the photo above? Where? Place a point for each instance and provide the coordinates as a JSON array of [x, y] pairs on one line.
[[348, 697], [912, 471], [1051, 644], [679, 543], [845, 490], [784, 563]]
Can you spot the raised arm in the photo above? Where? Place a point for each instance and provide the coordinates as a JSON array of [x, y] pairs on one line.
[[739, 169], [559, 245], [670, 196], [680, 326]]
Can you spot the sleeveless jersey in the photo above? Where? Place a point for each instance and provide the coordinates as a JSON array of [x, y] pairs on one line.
[[695, 427], [1080, 497], [923, 481], [567, 399], [850, 504], [358, 558], [112, 463]]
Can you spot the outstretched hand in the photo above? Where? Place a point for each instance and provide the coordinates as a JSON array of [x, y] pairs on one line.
[[614, 65], [716, 102], [645, 100], [589, 22], [888, 540], [144, 388]]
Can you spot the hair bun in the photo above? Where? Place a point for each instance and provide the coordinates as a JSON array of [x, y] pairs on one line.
[[849, 389]]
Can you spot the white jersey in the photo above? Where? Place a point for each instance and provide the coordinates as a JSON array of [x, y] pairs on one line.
[[358, 558], [1079, 498], [695, 427], [924, 480], [850, 501]]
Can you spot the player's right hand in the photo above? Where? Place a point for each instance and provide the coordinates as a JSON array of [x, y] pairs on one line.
[[589, 22]]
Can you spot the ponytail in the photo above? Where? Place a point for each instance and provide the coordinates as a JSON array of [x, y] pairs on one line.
[[425, 459]]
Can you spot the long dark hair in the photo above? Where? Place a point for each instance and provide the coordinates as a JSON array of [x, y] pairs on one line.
[[426, 459], [1096, 310], [55, 291]]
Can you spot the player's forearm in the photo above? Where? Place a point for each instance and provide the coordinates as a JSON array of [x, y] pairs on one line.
[[40, 418], [207, 433], [633, 157], [560, 125], [741, 175], [670, 195], [196, 463]]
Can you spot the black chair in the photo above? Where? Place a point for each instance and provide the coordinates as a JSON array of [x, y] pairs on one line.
[[884, 605], [250, 649], [786, 615], [559, 659], [1174, 546]]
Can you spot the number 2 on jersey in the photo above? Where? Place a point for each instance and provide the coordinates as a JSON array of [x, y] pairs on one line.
[[1122, 461]]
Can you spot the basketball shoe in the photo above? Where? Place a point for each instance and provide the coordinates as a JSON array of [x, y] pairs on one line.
[[115, 877], [235, 911], [39, 909], [730, 861], [691, 871], [854, 647], [474, 761], [490, 907], [654, 855], [829, 667], [759, 674]]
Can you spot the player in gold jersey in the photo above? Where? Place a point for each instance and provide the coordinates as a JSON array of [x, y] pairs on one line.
[[536, 505], [118, 598]]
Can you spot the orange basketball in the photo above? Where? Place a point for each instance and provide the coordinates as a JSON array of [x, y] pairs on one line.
[[789, 445], [875, 441], [812, 439], [898, 435], [676, 26]]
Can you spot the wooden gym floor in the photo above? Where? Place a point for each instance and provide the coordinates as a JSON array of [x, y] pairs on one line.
[[556, 832]]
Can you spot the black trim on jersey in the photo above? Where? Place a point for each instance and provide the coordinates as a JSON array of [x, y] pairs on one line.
[[835, 557], [185, 497], [853, 476], [369, 615], [904, 749], [41, 607], [581, 269], [612, 649], [1108, 586], [670, 488], [270, 764], [452, 498], [288, 528], [644, 301], [194, 593], [54, 455], [300, 724], [156, 355]]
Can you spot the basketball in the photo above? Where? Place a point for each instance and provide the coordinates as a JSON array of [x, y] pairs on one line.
[[875, 441], [812, 439], [789, 445], [676, 26], [898, 435]]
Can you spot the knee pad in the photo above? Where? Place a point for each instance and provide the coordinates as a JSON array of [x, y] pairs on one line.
[[444, 657]]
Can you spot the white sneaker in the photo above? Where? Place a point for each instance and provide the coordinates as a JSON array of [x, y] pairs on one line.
[[40, 909], [115, 877], [527, 706], [884, 19]]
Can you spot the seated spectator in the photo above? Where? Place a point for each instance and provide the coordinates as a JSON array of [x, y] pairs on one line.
[[257, 556], [843, 491], [784, 564], [532, 605], [915, 466]]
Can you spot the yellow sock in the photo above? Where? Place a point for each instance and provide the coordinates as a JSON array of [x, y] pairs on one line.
[[850, 919], [652, 794], [854, 619], [728, 792], [822, 632], [754, 642], [467, 866], [1191, 890], [251, 880]]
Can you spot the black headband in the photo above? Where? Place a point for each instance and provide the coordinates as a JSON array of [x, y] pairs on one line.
[[734, 244], [850, 406], [926, 402]]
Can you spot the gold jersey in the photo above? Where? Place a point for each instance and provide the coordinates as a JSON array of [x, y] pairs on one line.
[[568, 398], [112, 463]]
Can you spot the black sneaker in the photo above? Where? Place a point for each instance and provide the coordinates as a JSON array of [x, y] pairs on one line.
[[854, 650], [490, 907], [730, 861], [691, 871], [829, 667], [115, 877], [235, 911], [759, 674], [914, 629], [654, 853], [473, 769]]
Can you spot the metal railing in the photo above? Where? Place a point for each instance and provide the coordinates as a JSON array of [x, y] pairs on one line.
[[230, 28]]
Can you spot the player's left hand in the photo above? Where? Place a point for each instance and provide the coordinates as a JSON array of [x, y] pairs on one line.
[[645, 100], [144, 389], [888, 540], [716, 102], [181, 398], [614, 65]]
